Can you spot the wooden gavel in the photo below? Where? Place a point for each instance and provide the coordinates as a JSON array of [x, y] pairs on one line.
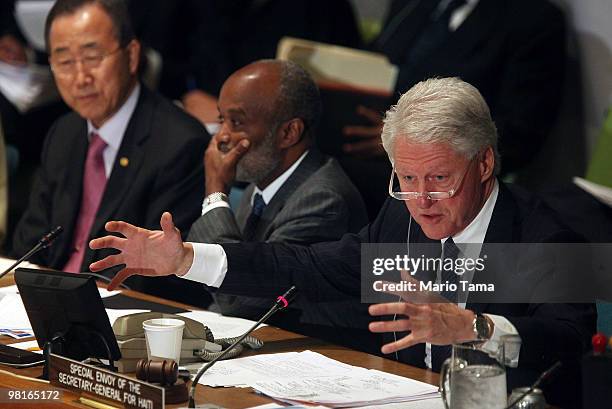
[[163, 372]]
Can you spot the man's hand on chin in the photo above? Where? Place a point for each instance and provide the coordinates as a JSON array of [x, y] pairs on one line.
[[143, 252]]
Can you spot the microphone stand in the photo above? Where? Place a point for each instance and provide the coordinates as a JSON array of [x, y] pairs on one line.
[[281, 303], [43, 243]]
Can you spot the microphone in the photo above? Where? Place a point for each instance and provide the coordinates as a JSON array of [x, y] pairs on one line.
[[544, 377], [281, 303], [44, 242]]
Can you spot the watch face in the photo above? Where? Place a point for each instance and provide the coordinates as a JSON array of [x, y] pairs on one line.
[[482, 327]]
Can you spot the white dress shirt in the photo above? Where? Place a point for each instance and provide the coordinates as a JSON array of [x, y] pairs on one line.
[[459, 15], [113, 129]]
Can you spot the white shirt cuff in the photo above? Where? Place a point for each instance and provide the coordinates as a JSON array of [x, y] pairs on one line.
[[209, 265], [208, 208], [503, 327]]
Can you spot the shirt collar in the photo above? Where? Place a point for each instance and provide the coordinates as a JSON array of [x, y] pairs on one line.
[[113, 129], [270, 190], [476, 231]]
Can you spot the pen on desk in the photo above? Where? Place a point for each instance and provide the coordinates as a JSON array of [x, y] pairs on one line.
[[95, 404], [33, 349]]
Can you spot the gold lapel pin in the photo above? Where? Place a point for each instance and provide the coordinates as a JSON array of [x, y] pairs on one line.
[[124, 162]]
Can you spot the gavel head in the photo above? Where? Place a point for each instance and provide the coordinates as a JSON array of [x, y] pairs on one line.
[[163, 372]]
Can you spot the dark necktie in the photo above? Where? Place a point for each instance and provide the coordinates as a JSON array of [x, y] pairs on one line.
[[94, 183], [250, 228], [450, 252]]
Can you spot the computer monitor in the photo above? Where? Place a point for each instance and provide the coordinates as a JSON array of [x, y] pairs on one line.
[[67, 308]]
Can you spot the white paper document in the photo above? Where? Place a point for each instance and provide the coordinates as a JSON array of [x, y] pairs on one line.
[[28, 346], [221, 326], [360, 388], [289, 365], [312, 378], [13, 314]]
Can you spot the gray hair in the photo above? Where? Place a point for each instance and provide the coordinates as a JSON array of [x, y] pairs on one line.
[[442, 110]]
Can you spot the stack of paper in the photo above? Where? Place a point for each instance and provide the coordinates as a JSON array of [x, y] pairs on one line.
[[311, 378]]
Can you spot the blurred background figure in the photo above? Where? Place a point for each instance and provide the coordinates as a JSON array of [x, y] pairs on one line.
[[513, 51], [29, 102]]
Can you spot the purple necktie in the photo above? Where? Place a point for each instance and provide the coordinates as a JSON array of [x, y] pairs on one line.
[[94, 182]]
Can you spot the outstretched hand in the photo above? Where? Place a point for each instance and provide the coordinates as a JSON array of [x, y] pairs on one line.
[[427, 316], [143, 252], [438, 324]]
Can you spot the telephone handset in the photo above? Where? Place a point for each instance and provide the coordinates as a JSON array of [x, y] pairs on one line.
[[198, 344]]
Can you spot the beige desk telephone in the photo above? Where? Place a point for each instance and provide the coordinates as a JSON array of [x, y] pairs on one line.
[[198, 344]]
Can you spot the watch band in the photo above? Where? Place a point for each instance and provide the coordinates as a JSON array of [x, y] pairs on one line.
[[215, 197]]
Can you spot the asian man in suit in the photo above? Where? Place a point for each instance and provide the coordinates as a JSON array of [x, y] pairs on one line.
[[124, 151], [442, 144]]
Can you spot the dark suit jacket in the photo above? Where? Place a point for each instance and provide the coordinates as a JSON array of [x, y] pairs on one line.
[[327, 271], [164, 147], [513, 51], [316, 203]]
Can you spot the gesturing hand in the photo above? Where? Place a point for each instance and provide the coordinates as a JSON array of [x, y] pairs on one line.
[[427, 316], [438, 324], [144, 252]]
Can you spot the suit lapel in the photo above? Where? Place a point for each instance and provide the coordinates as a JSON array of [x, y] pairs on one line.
[[128, 161], [310, 164]]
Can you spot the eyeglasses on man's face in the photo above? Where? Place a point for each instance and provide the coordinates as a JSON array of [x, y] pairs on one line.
[[66, 64], [437, 186]]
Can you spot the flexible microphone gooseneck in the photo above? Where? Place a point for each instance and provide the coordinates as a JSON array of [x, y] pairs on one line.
[[44, 242], [280, 303]]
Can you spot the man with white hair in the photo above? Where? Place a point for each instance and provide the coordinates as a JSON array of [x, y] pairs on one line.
[[442, 143]]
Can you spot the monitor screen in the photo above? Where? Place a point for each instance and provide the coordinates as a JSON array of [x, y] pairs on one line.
[[68, 305]]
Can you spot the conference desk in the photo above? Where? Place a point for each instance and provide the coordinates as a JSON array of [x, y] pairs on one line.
[[275, 339]]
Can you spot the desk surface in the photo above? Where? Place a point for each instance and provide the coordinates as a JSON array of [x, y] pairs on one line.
[[275, 339]]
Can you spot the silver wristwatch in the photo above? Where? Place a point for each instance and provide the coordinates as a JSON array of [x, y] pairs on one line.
[[483, 330], [215, 197]]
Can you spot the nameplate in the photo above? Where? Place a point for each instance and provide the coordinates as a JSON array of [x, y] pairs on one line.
[[104, 384]]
